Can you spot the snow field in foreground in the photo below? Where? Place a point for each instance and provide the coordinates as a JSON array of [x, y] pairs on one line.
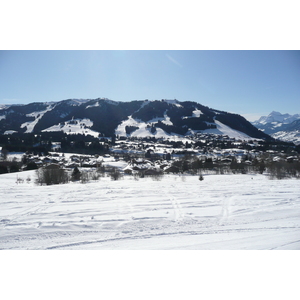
[[177, 212]]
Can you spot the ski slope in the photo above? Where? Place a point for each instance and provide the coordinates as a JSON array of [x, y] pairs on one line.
[[74, 126], [221, 212], [226, 130]]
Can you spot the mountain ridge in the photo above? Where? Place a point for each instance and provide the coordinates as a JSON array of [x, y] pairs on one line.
[[105, 117], [284, 127]]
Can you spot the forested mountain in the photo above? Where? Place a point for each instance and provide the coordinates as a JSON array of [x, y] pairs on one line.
[[103, 117]]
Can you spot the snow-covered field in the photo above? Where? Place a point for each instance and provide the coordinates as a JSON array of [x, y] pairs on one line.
[[177, 212]]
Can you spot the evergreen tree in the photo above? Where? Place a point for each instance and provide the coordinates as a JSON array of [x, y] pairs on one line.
[[76, 174]]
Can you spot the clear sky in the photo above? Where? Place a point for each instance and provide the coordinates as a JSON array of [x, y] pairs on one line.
[[250, 83]]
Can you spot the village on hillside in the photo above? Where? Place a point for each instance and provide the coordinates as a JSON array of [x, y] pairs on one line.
[[198, 154]]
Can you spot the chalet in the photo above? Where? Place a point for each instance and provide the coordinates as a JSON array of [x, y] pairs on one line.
[[226, 160], [52, 167], [291, 159], [75, 158]]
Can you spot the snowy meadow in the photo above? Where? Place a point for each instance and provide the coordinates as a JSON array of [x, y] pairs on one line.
[[222, 212]]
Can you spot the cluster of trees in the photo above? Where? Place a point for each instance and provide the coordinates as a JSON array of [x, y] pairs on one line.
[[57, 175], [9, 167], [284, 169], [275, 169], [51, 176]]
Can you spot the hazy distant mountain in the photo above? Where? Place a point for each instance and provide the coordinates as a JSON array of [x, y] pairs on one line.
[[284, 127], [159, 118]]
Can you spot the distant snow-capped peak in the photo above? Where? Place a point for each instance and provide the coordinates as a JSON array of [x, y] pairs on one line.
[[277, 117], [284, 127]]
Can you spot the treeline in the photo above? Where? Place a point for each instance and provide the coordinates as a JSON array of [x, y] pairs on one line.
[[275, 169], [191, 165], [43, 142]]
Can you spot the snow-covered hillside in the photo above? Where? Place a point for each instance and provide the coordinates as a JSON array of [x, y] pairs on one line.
[[143, 129], [176, 212], [226, 130], [37, 115], [293, 136], [74, 126]]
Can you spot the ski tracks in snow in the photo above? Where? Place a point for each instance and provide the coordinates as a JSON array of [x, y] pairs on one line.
[[176, 205], [226, 209], [18, 216], [178, 213], [125, 212]]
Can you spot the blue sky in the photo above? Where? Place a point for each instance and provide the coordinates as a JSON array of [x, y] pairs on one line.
[[250, 83]]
